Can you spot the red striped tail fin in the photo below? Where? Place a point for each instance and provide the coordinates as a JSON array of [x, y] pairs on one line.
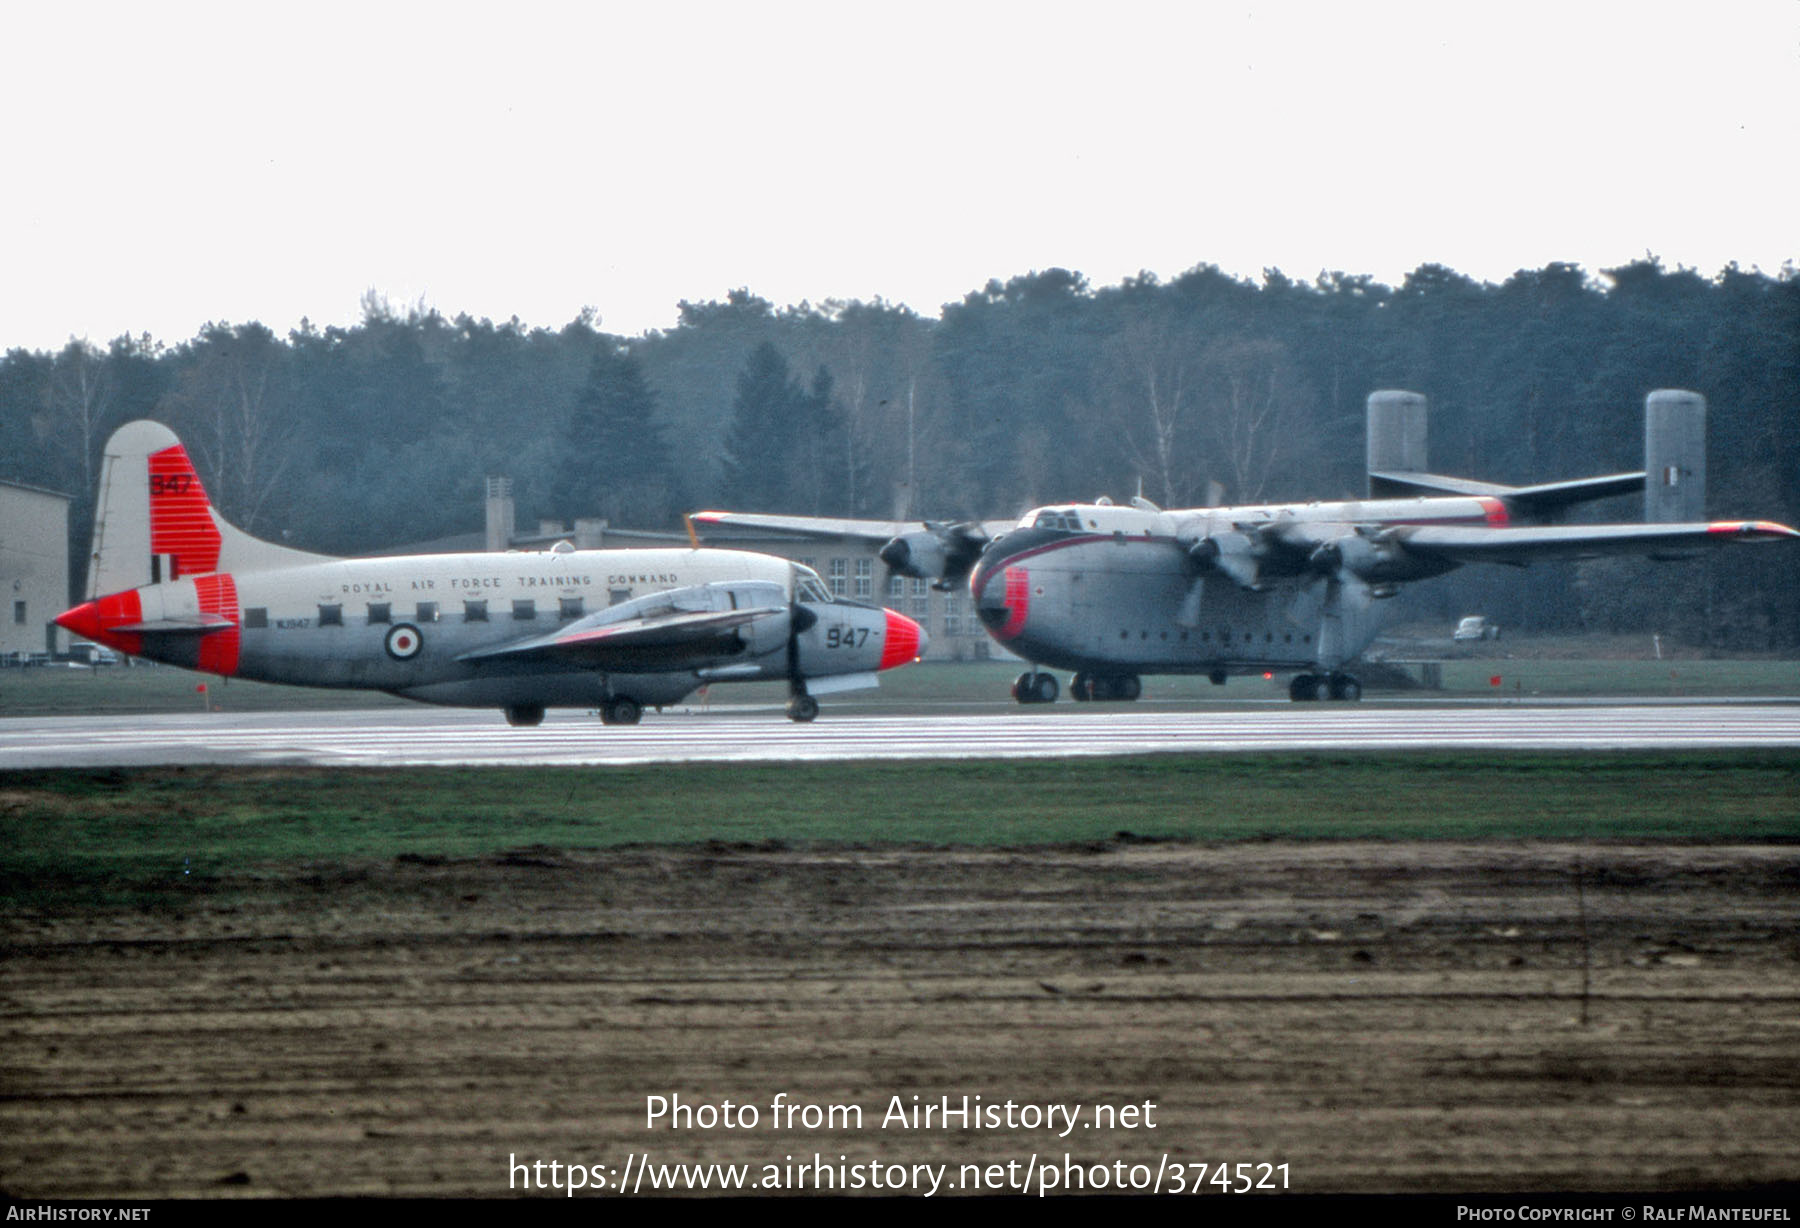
[[154, 523], [181, 521]]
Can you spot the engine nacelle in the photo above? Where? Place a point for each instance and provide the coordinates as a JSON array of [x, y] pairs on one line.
[[943, 553], [920, 555]]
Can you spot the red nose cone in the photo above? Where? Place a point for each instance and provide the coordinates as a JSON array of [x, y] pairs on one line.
[[905, 641]]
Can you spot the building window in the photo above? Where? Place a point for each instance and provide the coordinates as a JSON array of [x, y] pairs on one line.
[[427, 612], [256, 617], [896, 589], [865, 578], [331, 615], [380, 612], [952, 617], [19, 612], [569, 607], [840, 573], [475, 611], [524, 611]]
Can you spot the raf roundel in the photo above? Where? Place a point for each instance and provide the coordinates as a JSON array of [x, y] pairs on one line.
[[404, 642]]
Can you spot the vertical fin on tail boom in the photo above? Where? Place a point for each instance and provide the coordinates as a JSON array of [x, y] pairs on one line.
[[1674, 457]]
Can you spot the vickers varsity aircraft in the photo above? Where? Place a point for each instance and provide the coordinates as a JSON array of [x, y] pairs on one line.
[[1112, 593], [172, 580]]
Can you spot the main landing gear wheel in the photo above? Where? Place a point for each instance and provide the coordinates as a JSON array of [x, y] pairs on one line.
[[524, 715], [1308, 687], [802, 708], [1104, 688], [621, 711], [1035, 688]]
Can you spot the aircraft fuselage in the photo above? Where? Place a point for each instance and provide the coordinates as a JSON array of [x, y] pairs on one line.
[[404, 625], [1118, 590]]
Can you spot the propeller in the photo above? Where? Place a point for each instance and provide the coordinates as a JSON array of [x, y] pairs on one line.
[[800, 621], [1355, 565], [942, 553], [1232, 553]]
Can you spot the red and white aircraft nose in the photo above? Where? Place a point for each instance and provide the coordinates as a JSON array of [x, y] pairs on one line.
[[904, 641]]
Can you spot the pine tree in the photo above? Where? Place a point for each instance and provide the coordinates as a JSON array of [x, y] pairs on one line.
[[615, 461], [767, 447]]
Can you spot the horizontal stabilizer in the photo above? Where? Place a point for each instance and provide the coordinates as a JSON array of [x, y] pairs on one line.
[[200, 624], [1400, 485], [1545, 501]]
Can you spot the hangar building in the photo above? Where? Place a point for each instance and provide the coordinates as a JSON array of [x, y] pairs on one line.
[[34, 570]]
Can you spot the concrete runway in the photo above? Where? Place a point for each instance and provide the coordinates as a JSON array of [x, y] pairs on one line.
[[438, 736]]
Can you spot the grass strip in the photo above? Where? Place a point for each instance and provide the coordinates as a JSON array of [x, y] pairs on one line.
[[66, 835]]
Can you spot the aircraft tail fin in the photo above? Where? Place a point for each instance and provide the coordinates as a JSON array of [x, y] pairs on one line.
[[1396, 439], [1674, 457], [153, 520], [1673, 478]]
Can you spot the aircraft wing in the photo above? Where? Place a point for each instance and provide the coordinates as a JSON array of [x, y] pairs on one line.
[[873, 531], [661, 631], [1465, 544], [804, 526]]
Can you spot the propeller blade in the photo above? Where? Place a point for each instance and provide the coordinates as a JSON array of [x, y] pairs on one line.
[[1189, 613]]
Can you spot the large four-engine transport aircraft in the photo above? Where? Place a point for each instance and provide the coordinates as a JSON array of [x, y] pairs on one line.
[[172, 580], [1113, 593]]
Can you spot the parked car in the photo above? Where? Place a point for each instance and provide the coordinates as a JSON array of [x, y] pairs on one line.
[[1475, 627]]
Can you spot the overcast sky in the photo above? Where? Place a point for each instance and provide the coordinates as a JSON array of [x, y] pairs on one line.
[[171, 164]]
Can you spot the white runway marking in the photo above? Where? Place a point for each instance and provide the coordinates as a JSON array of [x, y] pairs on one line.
[[448, 737]]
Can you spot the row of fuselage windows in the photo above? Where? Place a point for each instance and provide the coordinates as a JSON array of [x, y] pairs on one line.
[[1224, 636], [380, 613]]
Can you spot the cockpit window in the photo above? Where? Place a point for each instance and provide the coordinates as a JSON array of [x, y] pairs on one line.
[[1056, 520], [809, 588]]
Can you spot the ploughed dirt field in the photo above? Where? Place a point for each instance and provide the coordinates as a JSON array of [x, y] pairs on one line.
[[1375, 1017]]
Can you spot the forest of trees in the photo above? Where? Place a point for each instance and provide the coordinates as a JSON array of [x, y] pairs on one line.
[[1038, 389]]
